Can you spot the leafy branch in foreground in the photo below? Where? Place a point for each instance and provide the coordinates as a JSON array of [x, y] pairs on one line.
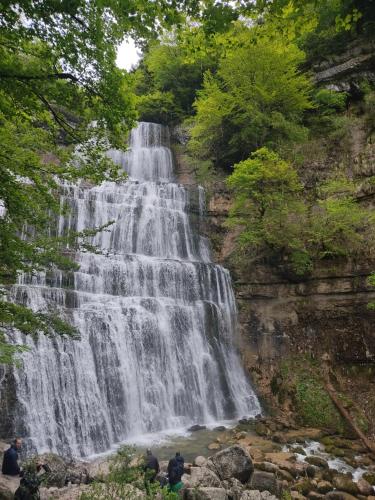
[[58, 77]]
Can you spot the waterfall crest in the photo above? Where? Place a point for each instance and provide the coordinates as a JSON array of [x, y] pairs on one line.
[[156, 317]]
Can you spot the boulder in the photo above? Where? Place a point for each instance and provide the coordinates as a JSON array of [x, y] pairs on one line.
[[58, 475], [279, 437], [365, 487], [266, 466], [370, 477], [214, 446], [284, 474], [241, 435], [220, 428], [295, 495], [345, 483], [261, 429], [317, 461], [78, 473], [196, 427], [311, 471], [265, 481], [339, 495], [202, 476], [234, 461], [200, 461], [313, 495], [205, 494], [303, 486], [257, 495], [234, 488], [324, 486]]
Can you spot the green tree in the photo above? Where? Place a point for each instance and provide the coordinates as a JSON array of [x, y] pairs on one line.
[[58, 77], [257, 98], [267, 206], [339, 225], [275, 219]]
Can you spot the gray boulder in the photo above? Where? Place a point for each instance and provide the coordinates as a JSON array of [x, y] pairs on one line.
[[200, 461], [202, 476], [257, 495], [234, 461], [234, 488], [205, 494], [265, 481]]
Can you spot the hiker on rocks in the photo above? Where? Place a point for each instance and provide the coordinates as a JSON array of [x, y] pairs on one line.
[[151, 466], [175, 472], [10, 465], [30, 481]]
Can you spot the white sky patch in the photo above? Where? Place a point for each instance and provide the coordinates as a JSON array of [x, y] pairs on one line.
[[128, 54]]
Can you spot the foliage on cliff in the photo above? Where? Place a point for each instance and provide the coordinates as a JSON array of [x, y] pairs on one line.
[[274, 215], [250, 106]]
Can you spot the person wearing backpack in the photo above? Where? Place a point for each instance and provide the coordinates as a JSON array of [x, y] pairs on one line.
[[31, 479], [175, 472]]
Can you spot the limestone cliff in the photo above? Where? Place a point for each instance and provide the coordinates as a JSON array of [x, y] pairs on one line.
[[325, 314]]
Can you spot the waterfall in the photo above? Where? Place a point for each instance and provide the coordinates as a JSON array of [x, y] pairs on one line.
[[156, 318]]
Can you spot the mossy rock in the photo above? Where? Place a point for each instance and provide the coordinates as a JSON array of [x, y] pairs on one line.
[[299, 450], [344, 483], [261, 429], [327, 441], [370, 477], [337, 452], [317, 461], [303, 487]]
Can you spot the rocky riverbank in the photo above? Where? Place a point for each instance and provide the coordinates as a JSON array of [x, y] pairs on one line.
[[266, 458]]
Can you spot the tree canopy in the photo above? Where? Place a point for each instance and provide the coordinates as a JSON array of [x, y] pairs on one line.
[[59, 87]]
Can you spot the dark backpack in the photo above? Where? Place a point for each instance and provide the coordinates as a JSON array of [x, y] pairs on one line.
[[29, 487]]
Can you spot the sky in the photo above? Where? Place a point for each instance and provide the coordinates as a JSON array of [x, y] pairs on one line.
[[127, 54]]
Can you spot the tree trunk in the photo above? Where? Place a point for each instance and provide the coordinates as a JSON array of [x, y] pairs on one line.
[[345, 414]]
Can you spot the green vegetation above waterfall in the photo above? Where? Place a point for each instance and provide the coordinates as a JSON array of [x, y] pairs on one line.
[[251, 108]]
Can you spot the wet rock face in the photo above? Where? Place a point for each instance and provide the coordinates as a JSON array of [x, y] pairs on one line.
[[234, 462], [8, 406]]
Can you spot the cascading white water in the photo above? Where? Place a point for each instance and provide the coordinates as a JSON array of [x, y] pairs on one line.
[[156, 318]]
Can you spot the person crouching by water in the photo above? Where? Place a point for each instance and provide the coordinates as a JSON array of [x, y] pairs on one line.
[[151, 466], [31, 481], [175, 472], [10, 465]]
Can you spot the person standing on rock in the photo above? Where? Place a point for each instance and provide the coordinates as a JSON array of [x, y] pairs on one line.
[[10, 465], [175, 472], [151, 466]]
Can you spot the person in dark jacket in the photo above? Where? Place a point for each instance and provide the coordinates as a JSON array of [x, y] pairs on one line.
[[10, 465], [175, 472], [151, 466]]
